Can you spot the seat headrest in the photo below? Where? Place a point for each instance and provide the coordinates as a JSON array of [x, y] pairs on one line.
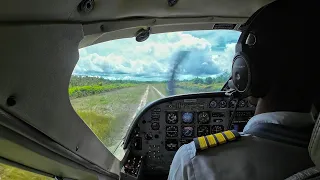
[[314, 145]]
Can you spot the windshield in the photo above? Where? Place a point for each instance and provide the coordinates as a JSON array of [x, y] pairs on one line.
[[113, 81]]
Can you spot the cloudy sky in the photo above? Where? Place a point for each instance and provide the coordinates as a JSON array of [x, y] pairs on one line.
[[209, 53]]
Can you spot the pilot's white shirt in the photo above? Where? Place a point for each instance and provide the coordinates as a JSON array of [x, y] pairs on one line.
[[188, 151]]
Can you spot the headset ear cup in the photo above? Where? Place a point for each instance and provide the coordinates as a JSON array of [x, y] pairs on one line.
[[246, 77], [241, 73]]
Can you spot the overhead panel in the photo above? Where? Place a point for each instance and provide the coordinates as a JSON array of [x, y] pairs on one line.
[[61, 10]]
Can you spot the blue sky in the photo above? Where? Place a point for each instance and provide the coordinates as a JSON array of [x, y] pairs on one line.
[[210, 53]]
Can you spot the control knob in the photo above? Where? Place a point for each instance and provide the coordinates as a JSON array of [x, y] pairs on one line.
[[155, 126], [148, 136]]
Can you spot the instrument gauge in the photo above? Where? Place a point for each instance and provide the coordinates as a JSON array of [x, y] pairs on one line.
[[155, 126], [203, 130], [223, 104], [242, 103], [172, 131], [148, 136], [187, 131], [187, 117], [171, 145], [216, 129], [213, 104], [172, 118], [203, 118], [233, 103]]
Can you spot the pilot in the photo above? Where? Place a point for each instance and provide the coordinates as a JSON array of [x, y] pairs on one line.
[[271, 64]]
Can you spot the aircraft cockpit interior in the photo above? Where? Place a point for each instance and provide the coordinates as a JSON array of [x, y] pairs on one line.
[[108, 90]]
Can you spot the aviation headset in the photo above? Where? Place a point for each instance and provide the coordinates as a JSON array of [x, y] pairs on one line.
[[248, 76]]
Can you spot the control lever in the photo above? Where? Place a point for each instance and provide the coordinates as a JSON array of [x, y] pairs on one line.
[[230, 92], [233, 94], [233, 113]]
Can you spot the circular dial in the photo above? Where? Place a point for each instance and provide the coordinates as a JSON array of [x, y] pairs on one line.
[[233, 103], [155, 126], [148, 136], [172, 131], [213, 104], [187, 117], [223, 104], [242, 103], [187, 131], [216, 129], [203, 130], [203, 118], [172, 118]]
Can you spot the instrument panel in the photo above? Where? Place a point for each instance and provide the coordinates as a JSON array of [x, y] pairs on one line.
[[167, 124]]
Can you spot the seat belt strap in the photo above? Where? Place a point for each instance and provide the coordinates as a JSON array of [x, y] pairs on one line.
[[311, 174]]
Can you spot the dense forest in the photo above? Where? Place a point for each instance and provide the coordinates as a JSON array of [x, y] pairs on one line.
[[89, 81], [222, 78], [204, 84], [81, 86]]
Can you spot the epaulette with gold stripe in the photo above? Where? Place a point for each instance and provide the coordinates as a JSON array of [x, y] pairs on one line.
[[213, 140]]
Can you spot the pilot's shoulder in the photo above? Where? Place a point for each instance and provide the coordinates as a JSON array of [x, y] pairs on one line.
[[215, 140], [182, 166], [187, 151]]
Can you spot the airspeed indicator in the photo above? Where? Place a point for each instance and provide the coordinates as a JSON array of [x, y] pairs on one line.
[[203, 118]]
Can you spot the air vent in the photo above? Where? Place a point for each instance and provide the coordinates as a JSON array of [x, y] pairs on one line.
[[224, 26]]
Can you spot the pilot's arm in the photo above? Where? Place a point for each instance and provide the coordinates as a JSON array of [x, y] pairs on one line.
[[186, 165], [229, 155], [182, 167]]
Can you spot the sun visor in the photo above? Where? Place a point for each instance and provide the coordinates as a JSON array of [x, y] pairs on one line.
[[314, 145]]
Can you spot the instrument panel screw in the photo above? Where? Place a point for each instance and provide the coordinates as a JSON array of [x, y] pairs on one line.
[[86, 6], [77, 148], [172, 2], [11, 101], [143, 34], [102, 28]]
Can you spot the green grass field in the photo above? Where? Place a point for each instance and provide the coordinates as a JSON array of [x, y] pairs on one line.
[[103, 112], [82, 91], [12, 173]]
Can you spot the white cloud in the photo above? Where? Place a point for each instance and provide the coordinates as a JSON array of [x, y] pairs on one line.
[[127, 59], [224, 59]]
